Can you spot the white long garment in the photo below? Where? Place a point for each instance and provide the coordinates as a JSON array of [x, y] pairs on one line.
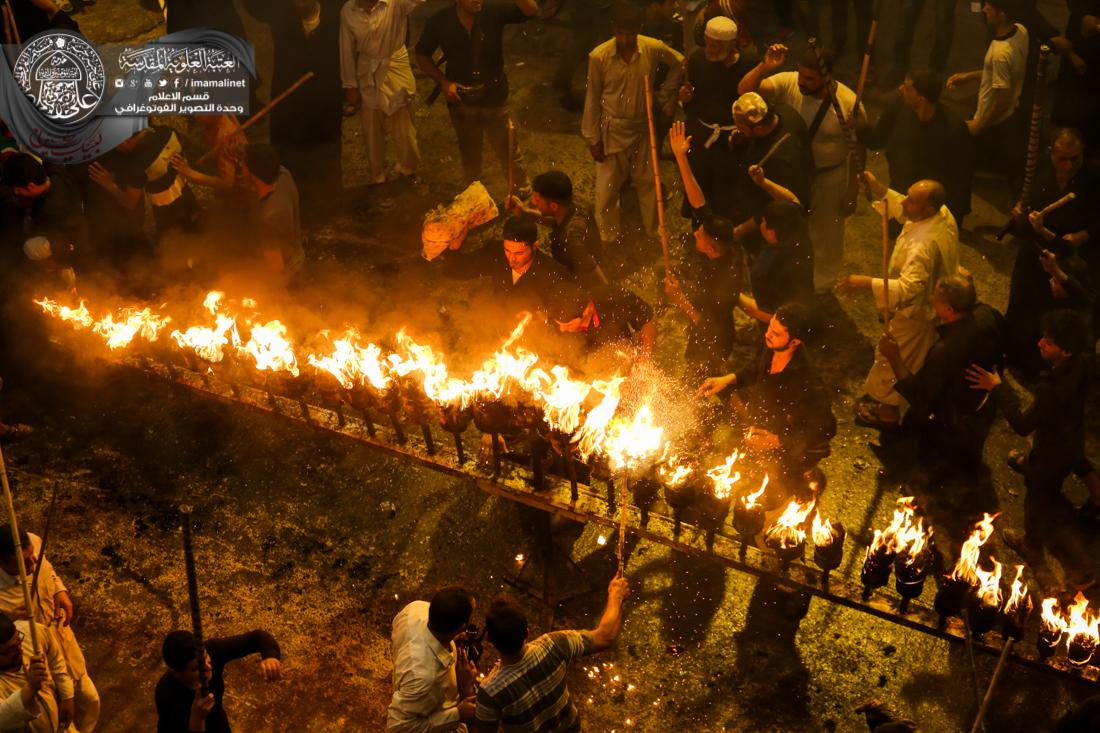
[[829, 145], [373, 57], [59, 686], [425, 689], [925, 251]]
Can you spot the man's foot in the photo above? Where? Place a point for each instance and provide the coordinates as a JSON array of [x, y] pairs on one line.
[[1017, 542], [868, 416], [1017, 461]]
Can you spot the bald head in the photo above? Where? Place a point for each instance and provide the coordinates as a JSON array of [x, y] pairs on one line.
[[924, 199]]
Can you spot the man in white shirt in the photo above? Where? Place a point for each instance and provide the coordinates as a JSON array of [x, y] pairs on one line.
[[375, 72], [807, 91], [614, 125], [433, 682], [1000, 82], [48, 707], [926, 250]]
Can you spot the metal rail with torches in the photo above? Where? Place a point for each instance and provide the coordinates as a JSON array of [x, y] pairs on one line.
[[569, 490]]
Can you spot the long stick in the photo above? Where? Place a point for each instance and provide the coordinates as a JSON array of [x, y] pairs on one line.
[[620, 552], [868, 51], [193, 591], [656, 183], [992, 683], [259, 115], [18, 545], [771, 151], [970, 652], [45, 538], [511, 156], [1035, 128], [1058, 204], [886, 263]]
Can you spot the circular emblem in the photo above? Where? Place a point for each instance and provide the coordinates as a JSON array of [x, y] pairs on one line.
[[62, 74]]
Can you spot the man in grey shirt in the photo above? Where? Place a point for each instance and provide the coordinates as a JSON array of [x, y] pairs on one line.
[[276, 215]]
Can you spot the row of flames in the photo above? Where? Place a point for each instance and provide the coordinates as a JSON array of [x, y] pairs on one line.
[[588, 411]]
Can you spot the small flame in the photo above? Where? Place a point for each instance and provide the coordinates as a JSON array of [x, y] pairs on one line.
[[725, 476], [790, 529], [965, 568], [1080, 622], [79, 317], [989, 585], [130, 323], [673, 473], [822, 531], [1052, 619], [1018, 597], [562, 401], [594, 430]]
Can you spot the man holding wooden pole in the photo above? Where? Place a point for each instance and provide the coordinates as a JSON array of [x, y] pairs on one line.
[[926, 250]]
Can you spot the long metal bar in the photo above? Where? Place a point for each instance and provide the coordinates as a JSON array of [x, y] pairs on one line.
[[592, 506]]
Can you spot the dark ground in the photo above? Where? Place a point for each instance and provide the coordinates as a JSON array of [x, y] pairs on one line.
[[294, 536]]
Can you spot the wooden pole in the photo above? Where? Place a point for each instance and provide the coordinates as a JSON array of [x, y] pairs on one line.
[[970, 652], [45, 538], [992, 683], [193, 593], [620, 552], [511, 157], [656, 177], [259, 115], [19, 555], [1035, 128], [865, 68], [886, 263]]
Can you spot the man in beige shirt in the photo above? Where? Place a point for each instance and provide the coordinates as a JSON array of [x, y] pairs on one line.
[[45, 695], [53, 611], [614, 125]]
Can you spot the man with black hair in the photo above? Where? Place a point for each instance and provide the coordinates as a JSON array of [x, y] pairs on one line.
[[809, 91], [49, 204], [574, 237], [471, 35], [951, 419], [276, 213], [788, 412], [179, 707], [782, 268], [37, 693], [614, 125], [54, 614], [433, 681], [926, 250], [924, 139], [1056, 420], [526, 691], [943, 33], [518, 273], [997, 129]]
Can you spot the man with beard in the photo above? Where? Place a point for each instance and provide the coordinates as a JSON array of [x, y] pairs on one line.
[[614, 125], [810, 92], [707, 94], [1071, 229], [924, 139], [788, 412]]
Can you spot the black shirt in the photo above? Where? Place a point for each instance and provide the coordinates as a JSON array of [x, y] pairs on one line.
[[574, 244], [713, 294], [940, 149], [58, 215], [475, 58], [715, 92], [939, 391], [174, 700], [619, 316], [546, 287], [792, 404], [791, 166], [783, 272]]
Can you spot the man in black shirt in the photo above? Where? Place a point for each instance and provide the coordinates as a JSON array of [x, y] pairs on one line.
[[1077, 92], [707, 95], [1056, 419], [471, 35], [519, 274], [615, 317], [179, 708], [924, 140], [574, 236], [788, 412], [48, 203], [952, 420]]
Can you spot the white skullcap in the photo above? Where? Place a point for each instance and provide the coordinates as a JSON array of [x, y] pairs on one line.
[[751, 106], [37, 249], [721, 28]]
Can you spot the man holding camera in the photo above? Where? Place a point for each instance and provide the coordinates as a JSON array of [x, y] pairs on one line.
[[433, 681]]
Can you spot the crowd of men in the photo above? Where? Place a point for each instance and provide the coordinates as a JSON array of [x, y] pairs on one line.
[[770, 149]]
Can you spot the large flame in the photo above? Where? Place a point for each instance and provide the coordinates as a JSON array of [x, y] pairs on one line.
[[789, 530], [632, 443], [966, 567], [725, 476], [1079, 622], [562, 401], [594, 430], [269, 348], [1051, 618], [822, 531]]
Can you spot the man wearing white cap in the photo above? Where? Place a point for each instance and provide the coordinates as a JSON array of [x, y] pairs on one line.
[[808, 91], [614, 124], [707, 95]]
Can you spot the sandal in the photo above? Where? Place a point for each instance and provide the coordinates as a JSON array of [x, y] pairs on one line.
[[867, 416], [1017, 460]]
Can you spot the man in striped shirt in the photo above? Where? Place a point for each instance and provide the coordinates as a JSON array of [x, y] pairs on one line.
[[526, 691]]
